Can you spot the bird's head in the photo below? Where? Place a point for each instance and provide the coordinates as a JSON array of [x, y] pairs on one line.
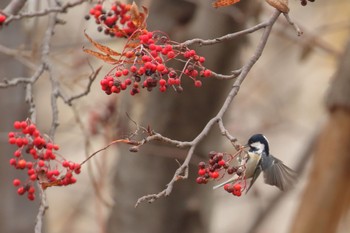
[[258, 143]]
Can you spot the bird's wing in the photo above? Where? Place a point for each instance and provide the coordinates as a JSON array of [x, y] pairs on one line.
[[277, 174]]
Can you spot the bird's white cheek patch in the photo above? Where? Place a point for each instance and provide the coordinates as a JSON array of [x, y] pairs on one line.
[[258, 146]]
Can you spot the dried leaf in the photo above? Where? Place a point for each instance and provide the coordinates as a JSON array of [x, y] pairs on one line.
[[101, 47], [222, 3], [132, 45], [45, 185], [104, 57], [138, 18], [281, 5]]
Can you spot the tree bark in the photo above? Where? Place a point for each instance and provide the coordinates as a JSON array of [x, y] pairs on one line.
[[327, 195]]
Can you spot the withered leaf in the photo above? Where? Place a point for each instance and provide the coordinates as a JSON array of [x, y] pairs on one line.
[[104, 57], [138, 18], [101, 47], [222, 3]]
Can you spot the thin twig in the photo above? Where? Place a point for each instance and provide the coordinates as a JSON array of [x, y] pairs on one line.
[[87, 90]]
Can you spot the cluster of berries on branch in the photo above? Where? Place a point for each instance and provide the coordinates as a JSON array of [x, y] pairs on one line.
[[37, 154], [146, 57], [220, 164], [115, 21], [147, 65]]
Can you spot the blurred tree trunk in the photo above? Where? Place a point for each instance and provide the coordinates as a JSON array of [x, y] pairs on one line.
[[327, 196], [179, 116], [17, 214]]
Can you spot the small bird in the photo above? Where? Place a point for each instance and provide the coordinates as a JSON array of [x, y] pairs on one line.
[[260, 160]]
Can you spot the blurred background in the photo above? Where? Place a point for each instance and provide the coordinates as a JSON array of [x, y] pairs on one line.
[[283, 97]]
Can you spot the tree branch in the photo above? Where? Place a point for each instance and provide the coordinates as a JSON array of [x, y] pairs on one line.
[[183, 169]]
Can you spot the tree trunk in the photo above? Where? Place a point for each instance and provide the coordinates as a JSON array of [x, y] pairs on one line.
[[327, 195]]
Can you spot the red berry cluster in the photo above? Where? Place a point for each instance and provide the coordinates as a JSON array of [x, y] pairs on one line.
[[304, 2], [2, 19], [143, 64], [235, 189], [217, 166], [38, 155], [116, 21], [217, 162]]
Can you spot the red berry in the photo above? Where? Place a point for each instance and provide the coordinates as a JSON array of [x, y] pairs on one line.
[[21, 164], [55, 172], [33, 177], [201, 59], [133, 69], [98, 7], [201, 165], [207, 73], [118, 73], [171, 54], [24, 124], [226, 186], [41, 163], [12, 141], [222, 162], [160, 67], [31, 129], [65, 163], [201, 180], [69, 175], [125, 72], [31, 172], [197, 83], [29, 165], [17, 125], [19, 142], [21, 190], [237, 187], [31, 196], [162, 82], [162, 88], [13, 162], [17, 153], [16, 182], [31, 190], [11, 134], [214, 175], [2, 18], [146, 58], [152, 47], [201, 172], [237, 193]]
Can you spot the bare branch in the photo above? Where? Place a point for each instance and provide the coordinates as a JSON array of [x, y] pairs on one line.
[[14, 7], [56, 9], [183, 169], [230, 36], [296, 27], [42, 209]]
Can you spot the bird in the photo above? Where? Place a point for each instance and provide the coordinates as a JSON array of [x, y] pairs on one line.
[[258, 160]]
